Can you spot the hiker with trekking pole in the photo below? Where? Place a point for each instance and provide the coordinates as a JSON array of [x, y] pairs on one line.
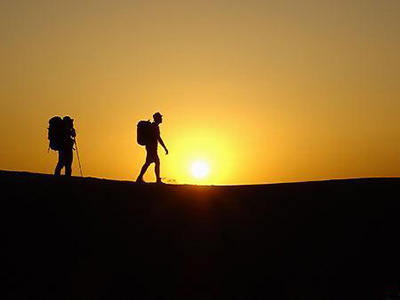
[[62, 138]]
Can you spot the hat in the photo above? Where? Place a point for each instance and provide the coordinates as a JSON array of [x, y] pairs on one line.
[[67, 118]]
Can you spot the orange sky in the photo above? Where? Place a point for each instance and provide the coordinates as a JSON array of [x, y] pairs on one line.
[[264, 91]]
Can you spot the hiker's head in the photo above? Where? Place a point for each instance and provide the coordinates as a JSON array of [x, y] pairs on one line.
[[157, 118], [68, 121]]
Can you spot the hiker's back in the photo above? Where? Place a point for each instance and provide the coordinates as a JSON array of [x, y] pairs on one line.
[[61, 133], [56, 133], [147, 133]]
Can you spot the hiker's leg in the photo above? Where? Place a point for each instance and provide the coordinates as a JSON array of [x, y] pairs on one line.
[[157, 169], [60, 163], [143, 170], [149, 160], [69, 156]]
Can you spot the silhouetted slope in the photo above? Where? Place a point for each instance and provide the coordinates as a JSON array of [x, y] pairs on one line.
[[98, 239]]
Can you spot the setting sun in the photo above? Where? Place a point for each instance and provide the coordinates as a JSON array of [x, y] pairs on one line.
[[259, 91], [199, 169]]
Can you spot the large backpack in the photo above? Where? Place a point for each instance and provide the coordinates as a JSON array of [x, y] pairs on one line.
[[144, 132], [55, 133]]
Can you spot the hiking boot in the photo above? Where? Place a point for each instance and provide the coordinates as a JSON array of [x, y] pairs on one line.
[[140, 180]]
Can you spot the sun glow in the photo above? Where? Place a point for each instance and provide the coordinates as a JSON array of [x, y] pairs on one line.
[[199, 169]]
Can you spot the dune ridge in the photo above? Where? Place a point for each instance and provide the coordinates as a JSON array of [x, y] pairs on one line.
[[87, 238]]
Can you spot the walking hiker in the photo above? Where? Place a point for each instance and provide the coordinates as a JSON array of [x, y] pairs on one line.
[[62, 138], [148, 134]]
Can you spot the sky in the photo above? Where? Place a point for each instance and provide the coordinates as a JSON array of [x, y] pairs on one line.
[[261, 91]]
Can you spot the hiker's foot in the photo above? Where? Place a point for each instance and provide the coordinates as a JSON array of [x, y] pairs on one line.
[[159, 181], [140, 180]]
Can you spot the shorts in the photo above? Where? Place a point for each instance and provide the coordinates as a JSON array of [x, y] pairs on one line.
[[152, 155]]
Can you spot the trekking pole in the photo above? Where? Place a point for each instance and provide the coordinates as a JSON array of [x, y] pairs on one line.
[[77, 155]]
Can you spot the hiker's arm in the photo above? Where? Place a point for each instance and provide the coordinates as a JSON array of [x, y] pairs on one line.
[[73, 132], [162, 144]]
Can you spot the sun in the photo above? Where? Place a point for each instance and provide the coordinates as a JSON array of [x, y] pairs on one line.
[[199, 169]]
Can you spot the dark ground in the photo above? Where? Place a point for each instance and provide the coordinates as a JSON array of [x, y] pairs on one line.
[[100, 239]]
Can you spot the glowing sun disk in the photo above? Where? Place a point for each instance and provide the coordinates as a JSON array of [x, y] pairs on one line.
[[199, 169]]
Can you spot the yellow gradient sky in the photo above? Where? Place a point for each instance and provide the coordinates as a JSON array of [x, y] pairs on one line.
[[264, 91]]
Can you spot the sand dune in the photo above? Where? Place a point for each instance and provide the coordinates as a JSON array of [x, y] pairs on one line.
[[83, 238]]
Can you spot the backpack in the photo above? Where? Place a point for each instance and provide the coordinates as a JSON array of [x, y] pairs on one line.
[[144, 133], [55, 133]]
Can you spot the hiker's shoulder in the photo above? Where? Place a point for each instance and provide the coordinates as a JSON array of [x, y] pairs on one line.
[[156, 127]]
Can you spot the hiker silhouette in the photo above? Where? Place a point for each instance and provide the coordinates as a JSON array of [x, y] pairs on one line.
[[62, 138], [149, 136]]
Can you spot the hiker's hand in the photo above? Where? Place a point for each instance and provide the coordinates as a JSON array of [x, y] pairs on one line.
[[166, 152]]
